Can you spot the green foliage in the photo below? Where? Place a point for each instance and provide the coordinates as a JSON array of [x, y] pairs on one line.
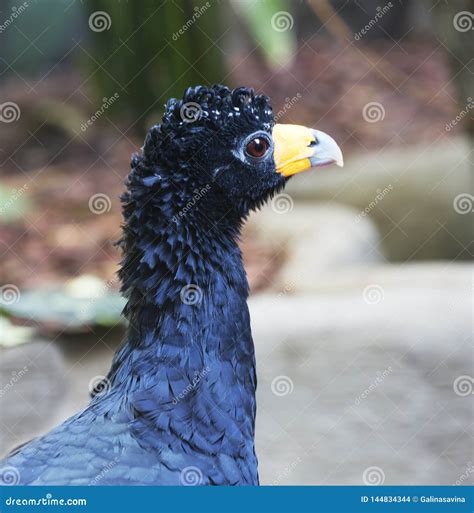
[[270, 25], [153, 51], [38, 36]]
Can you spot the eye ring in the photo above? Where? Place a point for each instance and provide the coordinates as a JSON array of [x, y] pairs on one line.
[[257, 147]]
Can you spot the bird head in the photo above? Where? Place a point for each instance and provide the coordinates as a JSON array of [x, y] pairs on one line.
[[227, 142]]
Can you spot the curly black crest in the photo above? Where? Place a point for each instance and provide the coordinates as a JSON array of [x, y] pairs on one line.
[[191, 188], [205, 109]]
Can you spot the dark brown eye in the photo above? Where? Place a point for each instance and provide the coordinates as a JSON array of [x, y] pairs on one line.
[[257, 147]]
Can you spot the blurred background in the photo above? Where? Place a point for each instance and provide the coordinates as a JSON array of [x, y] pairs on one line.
[[361, 278]]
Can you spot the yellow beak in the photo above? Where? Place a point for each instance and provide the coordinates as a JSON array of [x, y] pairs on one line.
[[297, 148]]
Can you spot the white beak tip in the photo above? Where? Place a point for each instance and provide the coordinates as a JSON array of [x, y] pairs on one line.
[[327, 149]]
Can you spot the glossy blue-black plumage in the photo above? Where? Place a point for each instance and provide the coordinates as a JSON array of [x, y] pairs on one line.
[[178, 406]]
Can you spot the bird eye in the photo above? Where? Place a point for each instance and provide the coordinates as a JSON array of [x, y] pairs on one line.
[[257, 147]]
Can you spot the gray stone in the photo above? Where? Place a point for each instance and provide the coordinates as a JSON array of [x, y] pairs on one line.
[[409, 191], [55, 384], [314, 239], [32, 391], [357, 381]]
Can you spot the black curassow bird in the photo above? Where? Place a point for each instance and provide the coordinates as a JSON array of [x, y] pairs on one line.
[[179, 405]]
